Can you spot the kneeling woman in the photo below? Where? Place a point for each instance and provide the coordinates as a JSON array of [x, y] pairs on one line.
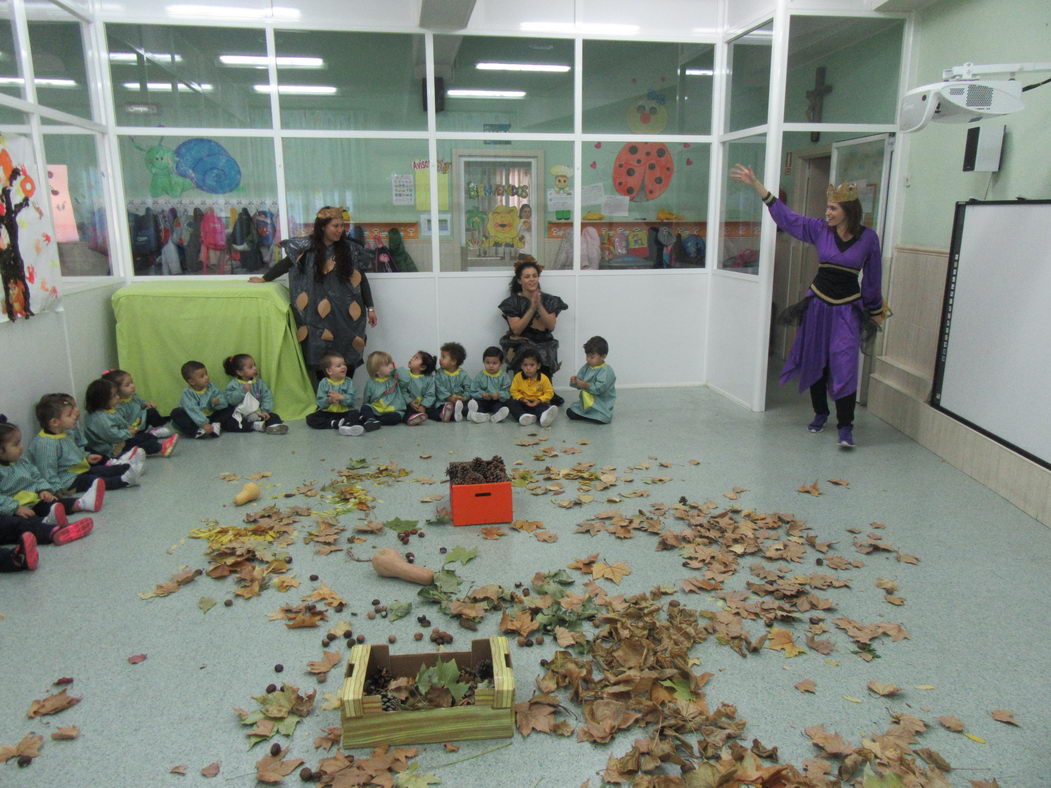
[[836, 307]]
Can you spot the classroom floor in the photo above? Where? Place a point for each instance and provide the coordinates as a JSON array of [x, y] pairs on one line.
[[974, 607]]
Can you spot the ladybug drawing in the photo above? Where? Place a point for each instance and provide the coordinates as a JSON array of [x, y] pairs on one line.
[[196, 163], [643, 170]]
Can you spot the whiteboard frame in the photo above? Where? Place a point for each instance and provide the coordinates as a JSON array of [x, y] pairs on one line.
[[945, 332]]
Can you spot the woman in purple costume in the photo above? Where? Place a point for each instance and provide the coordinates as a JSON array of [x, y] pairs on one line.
[[831, 316]]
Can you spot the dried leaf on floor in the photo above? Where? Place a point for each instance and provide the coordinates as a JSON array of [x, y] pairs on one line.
[[1005, 716], [781, 640], [951, 723], [812, 489], [211, 770], [287, 582], [806, 685], [615, 572], [839, 482], [135, 659], [175, 582], [545, 536], [66, 734], [321, 667], [832, 743], [331, 737], [29, 747], [883, 689], [52, 704], [493, 532], [271, 769], [180, 769]]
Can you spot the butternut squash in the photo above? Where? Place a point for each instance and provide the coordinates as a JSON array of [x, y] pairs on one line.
[[388, 563], [249, 492]]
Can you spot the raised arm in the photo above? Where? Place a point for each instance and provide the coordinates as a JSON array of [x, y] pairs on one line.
[[798, 226]]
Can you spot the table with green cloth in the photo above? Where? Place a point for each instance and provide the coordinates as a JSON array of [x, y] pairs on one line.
[[162, 325]]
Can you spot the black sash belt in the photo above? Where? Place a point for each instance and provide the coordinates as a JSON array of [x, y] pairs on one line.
[[836, 284]]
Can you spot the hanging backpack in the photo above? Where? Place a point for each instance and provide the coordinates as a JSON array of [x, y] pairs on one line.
[[145, 234], [383, 261], [590, 249], [213, 231], [693, 249], [265, 227]]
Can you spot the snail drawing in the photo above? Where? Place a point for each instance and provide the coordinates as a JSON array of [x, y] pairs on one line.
[[196, 163]]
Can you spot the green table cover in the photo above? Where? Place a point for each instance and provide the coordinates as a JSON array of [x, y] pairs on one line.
[[162, 325]]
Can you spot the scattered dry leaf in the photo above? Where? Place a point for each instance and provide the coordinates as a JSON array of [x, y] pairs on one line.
[[812, 489], [65, 734], [271, 769], [135, 659], [211, 770], [883, 689], [951, 723], [493, 532], [1005, 716], [52, 704], [180, 769], [806, 685]]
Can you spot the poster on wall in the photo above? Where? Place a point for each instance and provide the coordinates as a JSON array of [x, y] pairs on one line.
[[29, 267]]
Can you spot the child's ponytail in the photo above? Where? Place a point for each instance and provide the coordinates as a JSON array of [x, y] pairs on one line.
[[99, 394], [232, 364]]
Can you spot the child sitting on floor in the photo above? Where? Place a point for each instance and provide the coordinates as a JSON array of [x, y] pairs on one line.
[[65, 465], [25, 493], [106, 430], [251, 399], [531, 392], [384, 401], [335, 398], [490, 389], [202, 407], [27, 532], [452, 386], [597, 384], [417, 379], [141, 416]]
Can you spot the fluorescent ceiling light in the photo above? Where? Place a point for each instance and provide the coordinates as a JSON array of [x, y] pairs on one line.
[[698, 72], [569, 27], [133, 57], [301, 90], [261, 61], [166, 87], [486, 94], [42, 82], [552, 67], [232, 12]]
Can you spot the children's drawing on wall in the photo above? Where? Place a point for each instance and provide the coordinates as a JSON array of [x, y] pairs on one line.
[[196, 163], [28, 255], [560, 198], [497, 199]]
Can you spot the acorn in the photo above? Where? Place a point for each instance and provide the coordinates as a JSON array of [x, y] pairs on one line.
[[305, 774], [313, 578], [418, 636], [375, 602], [275, 749], [228, 603], [539, 640], [392, 638], [24, 761], [271, 688], [521, 640], [360, 638]]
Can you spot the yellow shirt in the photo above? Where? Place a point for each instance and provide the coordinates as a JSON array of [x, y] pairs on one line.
[[522, 388]]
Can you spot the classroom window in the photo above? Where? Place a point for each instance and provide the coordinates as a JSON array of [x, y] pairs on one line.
[[178, 76], [10, 76], [78, 205], [748, 58], [200, 205], [743, 211], [634, 87], [58, 60], [375, 180], [504, 84], [647, 203], [349, 80]]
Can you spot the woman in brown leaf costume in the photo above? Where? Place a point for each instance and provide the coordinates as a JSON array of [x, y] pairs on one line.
[[330, 293]]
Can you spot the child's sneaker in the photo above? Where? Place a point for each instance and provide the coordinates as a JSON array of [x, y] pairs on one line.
[[818, 423], [276, 429], [57, 515], [371, 425], [351, 430], [458, 410], [131, 477], [846, 437], [548, 416], [478, 418], [217, 428], [500, 415], [72, 531], [91, 500], [164, 431], [416, 419], [472, 407], [168, 446], [447, 412], [258, 426], [527, 419], [26, 555]]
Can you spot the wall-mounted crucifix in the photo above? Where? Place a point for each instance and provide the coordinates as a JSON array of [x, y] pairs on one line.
[[815, 98]]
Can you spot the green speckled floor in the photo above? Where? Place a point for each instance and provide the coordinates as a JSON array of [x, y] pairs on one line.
[[975, 609]]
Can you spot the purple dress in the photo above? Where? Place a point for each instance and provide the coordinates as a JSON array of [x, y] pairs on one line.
[[829, 334]]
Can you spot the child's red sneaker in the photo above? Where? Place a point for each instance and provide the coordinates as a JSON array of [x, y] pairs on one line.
[[72, 531], [26, 553], [57, 515], [168, 446]]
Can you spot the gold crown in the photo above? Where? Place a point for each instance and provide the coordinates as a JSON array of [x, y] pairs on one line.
[[330, 213], [845, 192]]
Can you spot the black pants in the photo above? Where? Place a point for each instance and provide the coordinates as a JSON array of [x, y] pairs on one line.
[[572, 414], [330, 419], [154, 419], [844, 405], [490, 405], [41, 509], [386, 419], [149, 443], [518, 408], [188, 427], [229, 423], [110, 474], [11, 529]]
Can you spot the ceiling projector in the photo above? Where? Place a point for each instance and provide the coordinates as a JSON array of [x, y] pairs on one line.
[[963, 98]]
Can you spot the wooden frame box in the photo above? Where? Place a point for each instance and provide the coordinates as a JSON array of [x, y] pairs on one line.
[[480, 504], [365, 724]]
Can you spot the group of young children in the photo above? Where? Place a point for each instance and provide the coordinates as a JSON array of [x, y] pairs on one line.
[[429, 389], [71, 463]]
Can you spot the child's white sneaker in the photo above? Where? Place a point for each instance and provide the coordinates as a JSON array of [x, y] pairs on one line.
[[478, 418], [500, 415], [458, 410], [527, 419], [164, 431], [275, 429], [131, 477], [56, 515], [258, 426], [548, 416], [351, 430], [91, 500], [472, 407], [216, 429]]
